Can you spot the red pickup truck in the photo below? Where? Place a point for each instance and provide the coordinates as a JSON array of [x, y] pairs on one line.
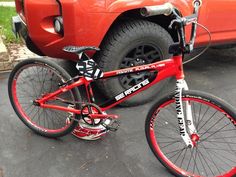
[[116, 26]]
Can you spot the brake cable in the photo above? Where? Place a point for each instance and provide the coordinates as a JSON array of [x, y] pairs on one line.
[[206, 48]]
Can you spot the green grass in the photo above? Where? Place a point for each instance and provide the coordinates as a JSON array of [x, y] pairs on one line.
[[5, 22], [6, 0]]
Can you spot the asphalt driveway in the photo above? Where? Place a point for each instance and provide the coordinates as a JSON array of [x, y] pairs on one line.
[[121, 154]]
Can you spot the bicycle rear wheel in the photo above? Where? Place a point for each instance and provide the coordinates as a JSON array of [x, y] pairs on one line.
[[33, 78], [214, 153]]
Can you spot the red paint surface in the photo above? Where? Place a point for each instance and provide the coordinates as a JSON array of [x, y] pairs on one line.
[[86, 22]]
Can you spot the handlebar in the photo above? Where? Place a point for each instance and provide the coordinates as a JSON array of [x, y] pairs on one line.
[[178, 21], [165, 9]]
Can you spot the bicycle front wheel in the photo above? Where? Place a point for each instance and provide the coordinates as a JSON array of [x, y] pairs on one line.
[[32, 79], [215, 151]]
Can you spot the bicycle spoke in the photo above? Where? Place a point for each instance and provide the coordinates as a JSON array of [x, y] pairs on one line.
[[215, 132], [173, 151], [213, 162], [208, 108], [204, 158], [186, 149], [173, 129], [169, 144], [190, 159], [164, 136], [42, 86], [208, 120], [227, 150], [199, 114], [179, 155], [195, 163], [201, 162]]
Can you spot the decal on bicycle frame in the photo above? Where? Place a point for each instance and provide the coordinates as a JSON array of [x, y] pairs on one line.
[[88, 68], [140, 68], [132, 90], [128, 92], [179, 111], [180, 85]]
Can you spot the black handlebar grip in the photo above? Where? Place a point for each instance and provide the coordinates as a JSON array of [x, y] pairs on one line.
[[165, 9]]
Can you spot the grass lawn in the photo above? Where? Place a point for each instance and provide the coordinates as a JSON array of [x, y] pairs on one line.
[[5, 22], [6, 0]]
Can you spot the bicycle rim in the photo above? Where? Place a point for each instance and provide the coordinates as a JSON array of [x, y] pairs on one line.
[[215, 152], [33, 81]]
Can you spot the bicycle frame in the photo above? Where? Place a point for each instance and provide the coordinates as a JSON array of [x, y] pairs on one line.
[[164, 69], [167, 68]]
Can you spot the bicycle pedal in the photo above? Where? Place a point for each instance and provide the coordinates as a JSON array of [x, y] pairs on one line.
[[114, 126]]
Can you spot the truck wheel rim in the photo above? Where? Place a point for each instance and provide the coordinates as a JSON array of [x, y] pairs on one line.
[[140, 55]]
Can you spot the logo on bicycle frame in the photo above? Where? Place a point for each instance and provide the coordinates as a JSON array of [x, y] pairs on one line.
[[140, 68], [132, 89]]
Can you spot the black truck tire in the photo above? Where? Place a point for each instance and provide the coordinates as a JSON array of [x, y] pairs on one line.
[[132, 43]]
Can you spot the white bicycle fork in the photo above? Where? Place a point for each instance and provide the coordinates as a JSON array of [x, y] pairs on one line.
[[189, 129]]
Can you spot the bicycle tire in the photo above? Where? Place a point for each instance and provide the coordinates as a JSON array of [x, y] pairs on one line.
[[29, 80], [206, 159]]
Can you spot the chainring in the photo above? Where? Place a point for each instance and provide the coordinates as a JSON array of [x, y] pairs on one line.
[[91, 108]]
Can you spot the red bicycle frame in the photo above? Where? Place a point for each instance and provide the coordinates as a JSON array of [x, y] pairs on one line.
[[164, 69]]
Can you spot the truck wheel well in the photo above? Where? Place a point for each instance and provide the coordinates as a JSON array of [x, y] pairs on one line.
[[134, 14]]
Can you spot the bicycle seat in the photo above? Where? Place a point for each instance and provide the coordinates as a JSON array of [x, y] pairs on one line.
[[78, 50]]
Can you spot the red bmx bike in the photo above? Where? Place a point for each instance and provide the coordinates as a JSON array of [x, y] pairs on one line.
[[190, 132]]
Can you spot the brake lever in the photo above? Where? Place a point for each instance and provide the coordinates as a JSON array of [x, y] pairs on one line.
[[171, 24], [178, 21], [177, 18]]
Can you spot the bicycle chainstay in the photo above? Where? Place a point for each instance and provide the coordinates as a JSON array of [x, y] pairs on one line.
[[72, 103]]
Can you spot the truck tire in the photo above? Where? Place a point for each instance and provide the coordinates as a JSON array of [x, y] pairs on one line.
[[132, 43]]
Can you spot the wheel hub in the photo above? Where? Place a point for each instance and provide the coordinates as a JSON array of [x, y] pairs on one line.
[[195, 138], [36, 103], [137, 62]]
